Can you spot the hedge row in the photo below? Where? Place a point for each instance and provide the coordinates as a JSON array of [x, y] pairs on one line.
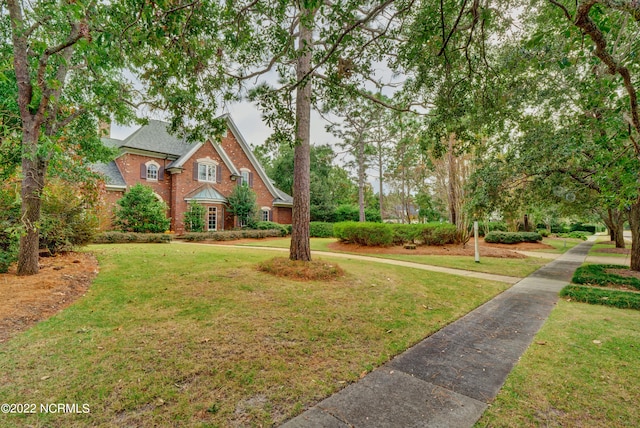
[[270, 225], [575, 234], [596, 275], [319, 229], [599, 296], [230, 235], [124, 237], [380, 234], [512, 237]]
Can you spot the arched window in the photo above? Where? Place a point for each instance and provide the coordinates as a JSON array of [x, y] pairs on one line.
[[152, 172]]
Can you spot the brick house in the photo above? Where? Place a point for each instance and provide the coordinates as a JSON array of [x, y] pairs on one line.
[[204, 172]]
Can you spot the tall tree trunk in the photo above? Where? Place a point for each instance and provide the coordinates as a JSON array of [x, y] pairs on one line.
[[380, 180], [634, 222], [300, 248], [614, 220], [361, 179], [453, 200], [34, 171]]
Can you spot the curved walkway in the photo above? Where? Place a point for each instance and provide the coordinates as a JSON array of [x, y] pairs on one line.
[[432, 268], [448, 379]]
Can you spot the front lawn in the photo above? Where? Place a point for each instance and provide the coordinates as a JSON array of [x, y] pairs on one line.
[[195, 335], [580, 371], [499, 266]]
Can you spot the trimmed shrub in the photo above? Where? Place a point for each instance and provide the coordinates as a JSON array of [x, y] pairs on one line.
[[368, 234], [318, 229], [512, 237], [373, 234], [406, 233], [269, 225], [439, 234], [127, 237], [597, 275], [231, 235], [599, 296]]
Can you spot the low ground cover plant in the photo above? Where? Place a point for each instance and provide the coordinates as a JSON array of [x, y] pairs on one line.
[[599, 296], [497, 237], [601, 275]]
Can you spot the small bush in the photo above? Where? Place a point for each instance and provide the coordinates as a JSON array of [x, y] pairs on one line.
[[315, 270], [599, 296], [318, 229], [512, 237], [575, 235], [231, 235], [544, 233], [270, 225], [439, 234], [597, 275], [194, 217], [140, 211], [65, 221], [126, 237], [491, 226]]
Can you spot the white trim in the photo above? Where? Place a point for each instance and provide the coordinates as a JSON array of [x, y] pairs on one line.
[[207, 160]]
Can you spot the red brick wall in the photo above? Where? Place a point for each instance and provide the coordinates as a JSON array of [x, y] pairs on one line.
[[282, 215]]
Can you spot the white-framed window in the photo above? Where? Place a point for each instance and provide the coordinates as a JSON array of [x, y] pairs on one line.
[[265, 214], [152, 172], [207, 172], [212, 218], [245, 178]]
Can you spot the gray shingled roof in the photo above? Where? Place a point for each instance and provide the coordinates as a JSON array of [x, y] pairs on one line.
[[154, 138], [283, 197], [110, 172]]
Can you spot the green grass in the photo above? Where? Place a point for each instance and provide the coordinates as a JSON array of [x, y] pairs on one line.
[[500, 266], [317, 244], [597, 248], [519, 268], [195, 335], [560, 245], [580, 371]]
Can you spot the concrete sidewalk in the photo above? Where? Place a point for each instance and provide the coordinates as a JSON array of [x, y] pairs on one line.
[[448, 379]]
